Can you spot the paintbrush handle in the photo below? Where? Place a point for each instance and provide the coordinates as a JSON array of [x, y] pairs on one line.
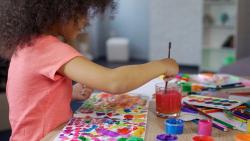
[[169, 49]]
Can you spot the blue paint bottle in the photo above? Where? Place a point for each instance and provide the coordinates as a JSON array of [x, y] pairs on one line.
[[174, 126]]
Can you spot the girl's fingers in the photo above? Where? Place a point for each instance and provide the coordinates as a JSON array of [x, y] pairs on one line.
[[166, 78], [86, 96], [81, 91], [88, 90]]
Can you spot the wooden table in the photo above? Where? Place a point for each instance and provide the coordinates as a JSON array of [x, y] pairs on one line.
[[155, 126]]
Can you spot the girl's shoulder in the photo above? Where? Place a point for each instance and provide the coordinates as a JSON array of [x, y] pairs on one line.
[[49, 42], [44, 45], [46, 39]]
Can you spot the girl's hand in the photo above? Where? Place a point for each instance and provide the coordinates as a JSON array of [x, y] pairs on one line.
[[81, 92], [172, 68]]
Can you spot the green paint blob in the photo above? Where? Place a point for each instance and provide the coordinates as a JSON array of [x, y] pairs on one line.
[[134, 139], [122, 139], [83, 138]]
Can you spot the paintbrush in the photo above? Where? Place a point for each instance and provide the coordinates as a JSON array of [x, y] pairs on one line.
[[169, 51]]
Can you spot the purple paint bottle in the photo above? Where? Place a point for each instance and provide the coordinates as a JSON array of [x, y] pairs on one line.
[[166, 137]]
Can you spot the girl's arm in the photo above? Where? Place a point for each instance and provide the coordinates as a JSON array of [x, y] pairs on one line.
[[118, 80]]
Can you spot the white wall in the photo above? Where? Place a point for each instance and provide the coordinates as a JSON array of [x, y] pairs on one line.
[[178, 21], [151, 24], [94, 37], [131, 21]]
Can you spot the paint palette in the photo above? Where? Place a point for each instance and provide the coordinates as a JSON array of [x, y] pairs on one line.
[[106, 117], [212, 102]]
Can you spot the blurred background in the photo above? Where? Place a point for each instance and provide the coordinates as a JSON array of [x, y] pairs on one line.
[[206, 36]]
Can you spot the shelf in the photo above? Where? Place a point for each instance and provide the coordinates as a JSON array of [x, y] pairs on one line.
[[208, 69], [216, 33], [215, 58], [228, 27], [220, 2], [219, 49]]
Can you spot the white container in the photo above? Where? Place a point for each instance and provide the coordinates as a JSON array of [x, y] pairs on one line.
[[117, 50]]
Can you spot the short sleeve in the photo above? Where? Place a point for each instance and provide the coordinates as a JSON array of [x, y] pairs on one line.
[[53, 56]]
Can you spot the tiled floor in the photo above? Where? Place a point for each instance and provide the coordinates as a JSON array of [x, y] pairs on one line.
[[4, 135]]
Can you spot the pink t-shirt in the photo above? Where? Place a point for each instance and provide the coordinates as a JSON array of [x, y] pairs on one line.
[[39, 98]]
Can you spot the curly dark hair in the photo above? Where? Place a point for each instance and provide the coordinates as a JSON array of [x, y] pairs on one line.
[[23, 20]]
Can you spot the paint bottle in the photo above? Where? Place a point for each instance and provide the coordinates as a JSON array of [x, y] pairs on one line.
[[174, 126], [166, 137], [186, 88], [205, 127], [242, 137], [203, 138]]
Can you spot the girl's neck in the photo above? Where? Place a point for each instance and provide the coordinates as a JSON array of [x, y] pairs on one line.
[[53, 30]]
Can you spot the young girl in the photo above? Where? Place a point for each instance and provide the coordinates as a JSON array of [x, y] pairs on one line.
[[42, 67]]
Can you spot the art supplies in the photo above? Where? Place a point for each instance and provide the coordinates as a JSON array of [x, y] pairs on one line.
[[212, 102], [239, 114], [205, 127], [183, 77], [219, 126], [242, 137], [169, 49], [174, 126], [228, 122], [108, 117], [208, 110], [226, 86], [203, 138], [166, 137], [242, 98], [248, 126], [168, 103], [221, 121], [186, 109], [215, 125], [215, 80], [220, 81], [169, 52], [232, 85], [189, 114], [186, 88], [221, 118]]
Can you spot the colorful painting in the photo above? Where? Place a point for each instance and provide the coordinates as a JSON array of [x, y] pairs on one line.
[[106, 117]]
